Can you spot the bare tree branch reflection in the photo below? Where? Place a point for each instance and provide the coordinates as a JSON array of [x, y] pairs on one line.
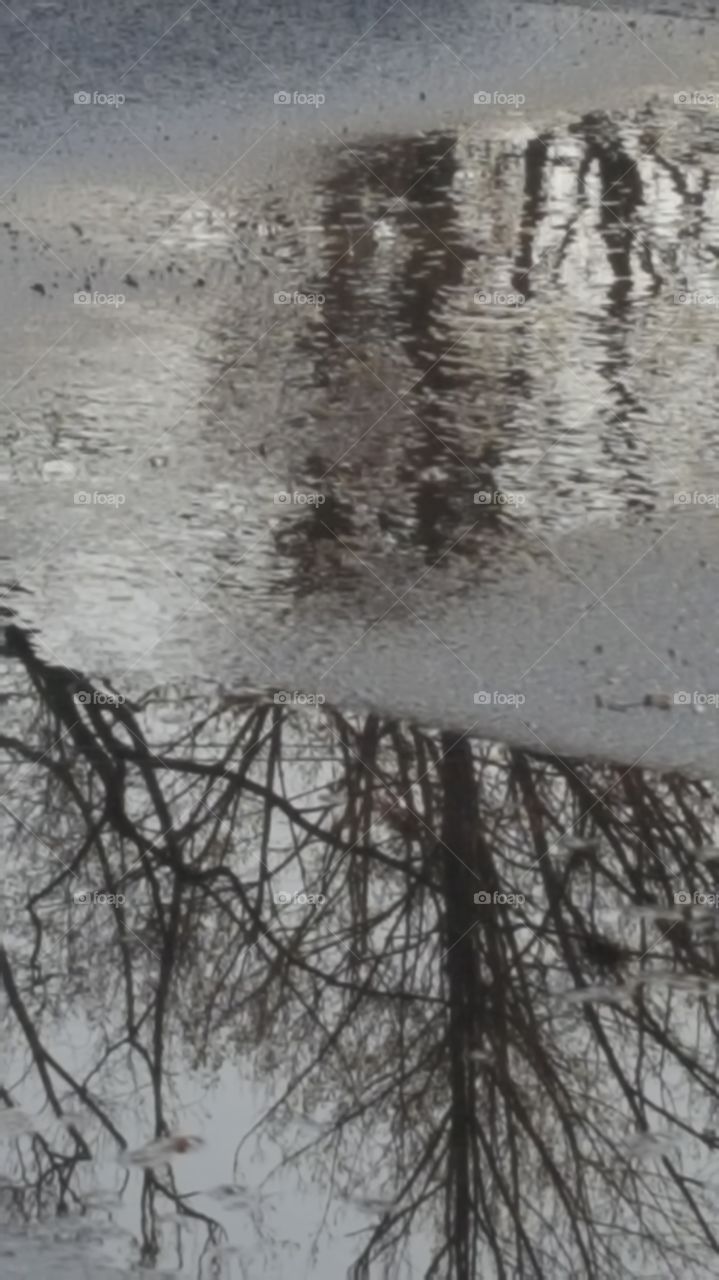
[[483, 982]]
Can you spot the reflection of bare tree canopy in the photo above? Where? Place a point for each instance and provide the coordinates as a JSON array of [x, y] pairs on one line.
[[418, 1008]]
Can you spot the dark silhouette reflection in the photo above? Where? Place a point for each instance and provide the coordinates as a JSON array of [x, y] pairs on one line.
[[535, 160], [620, 196], [404, 396], [492, 1014], [397, 198]]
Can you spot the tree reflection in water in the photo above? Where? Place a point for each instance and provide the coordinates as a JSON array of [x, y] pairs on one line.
[[447, 1078]]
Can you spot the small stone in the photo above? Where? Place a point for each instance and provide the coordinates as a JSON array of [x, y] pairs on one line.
[[128, 279], [662, 700], [38, 288]]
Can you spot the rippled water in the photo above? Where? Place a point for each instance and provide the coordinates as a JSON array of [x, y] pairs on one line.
[[392, 416], [500, 318], [482, 409]]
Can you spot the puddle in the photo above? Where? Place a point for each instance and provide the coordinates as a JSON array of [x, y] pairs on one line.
[[358, 758], [222, 935], [476, 473]]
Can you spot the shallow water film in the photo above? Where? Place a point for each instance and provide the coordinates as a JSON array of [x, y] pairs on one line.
[[358, 659]]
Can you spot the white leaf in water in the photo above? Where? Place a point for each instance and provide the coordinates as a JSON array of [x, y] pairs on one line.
[[161, 1151], [228, 1192], [237, 1196], [14, 1123], [580, 844]]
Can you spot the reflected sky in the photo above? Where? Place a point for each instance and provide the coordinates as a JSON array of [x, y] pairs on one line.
[[290, 990]]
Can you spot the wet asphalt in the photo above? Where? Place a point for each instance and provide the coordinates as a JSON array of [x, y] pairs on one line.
[[578, 582]]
